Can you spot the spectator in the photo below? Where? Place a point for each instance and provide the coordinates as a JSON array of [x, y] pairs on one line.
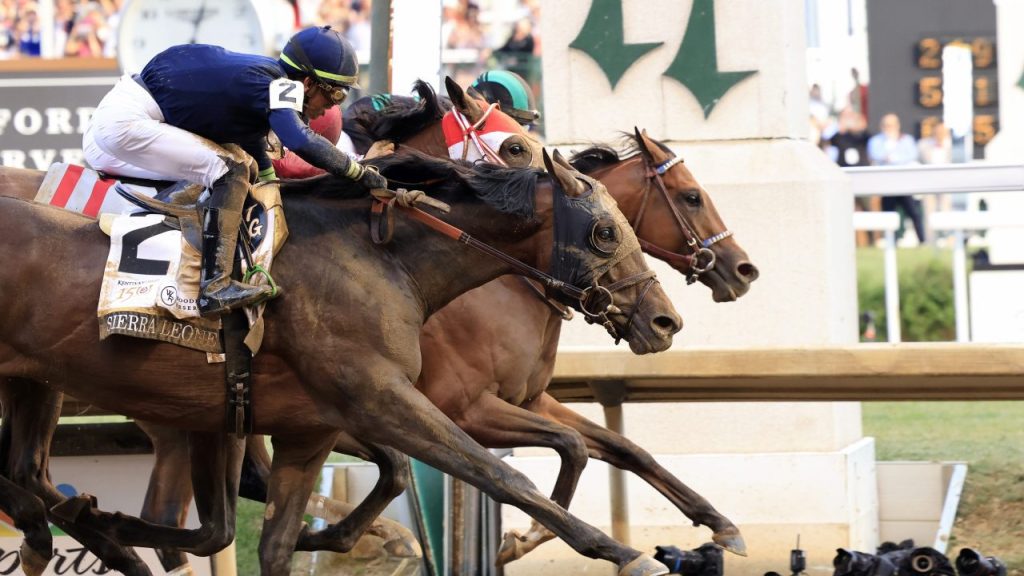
[[937, 148], [891, 147], [7, 44], [859, 94], [851, 140], [850, 144], [466, 31], [819, 115], [29, 35]]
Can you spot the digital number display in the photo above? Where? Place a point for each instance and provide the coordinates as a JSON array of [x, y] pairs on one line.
[[928, 93]]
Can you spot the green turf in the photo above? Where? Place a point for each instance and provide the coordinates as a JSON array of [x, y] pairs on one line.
[[989, 436]]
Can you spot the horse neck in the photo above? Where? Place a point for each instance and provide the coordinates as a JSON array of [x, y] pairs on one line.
[[443, 268], [429, 141], [626, 181]]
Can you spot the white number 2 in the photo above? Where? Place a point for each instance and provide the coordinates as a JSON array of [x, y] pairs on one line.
[[285, 93]]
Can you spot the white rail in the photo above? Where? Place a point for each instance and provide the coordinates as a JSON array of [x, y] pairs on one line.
[[980, 177]]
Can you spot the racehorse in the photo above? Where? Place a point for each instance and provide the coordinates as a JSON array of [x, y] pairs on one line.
[[492, 384], [341, 348]]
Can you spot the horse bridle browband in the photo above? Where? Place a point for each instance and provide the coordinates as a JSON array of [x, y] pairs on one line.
[[701, 248]]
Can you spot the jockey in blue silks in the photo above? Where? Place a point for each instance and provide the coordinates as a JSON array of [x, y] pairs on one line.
[[167, 123]]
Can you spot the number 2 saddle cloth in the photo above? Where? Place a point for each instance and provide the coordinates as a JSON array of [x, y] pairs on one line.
[[151, 278]]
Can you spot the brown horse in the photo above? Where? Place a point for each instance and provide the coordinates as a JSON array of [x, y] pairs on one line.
[[492, 385], [359, 301]]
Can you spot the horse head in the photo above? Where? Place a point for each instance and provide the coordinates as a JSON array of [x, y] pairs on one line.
[[595, 248], [672, 214], [464, 128]]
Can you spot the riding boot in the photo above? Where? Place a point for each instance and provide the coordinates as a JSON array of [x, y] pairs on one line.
[[218, 292]]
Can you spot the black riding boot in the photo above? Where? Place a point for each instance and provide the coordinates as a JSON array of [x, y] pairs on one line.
[[218, 293]]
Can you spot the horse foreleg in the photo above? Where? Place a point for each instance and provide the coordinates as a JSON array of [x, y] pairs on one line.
[[33, 410], [350, 522], [495, 423], [215, 460], [618, 451], [410, 422], [297, 463], [169, 494]]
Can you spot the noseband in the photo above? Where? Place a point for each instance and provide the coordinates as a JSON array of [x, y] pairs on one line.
[[702, 258]]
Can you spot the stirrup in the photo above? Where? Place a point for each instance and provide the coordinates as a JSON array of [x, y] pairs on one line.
[[232, 297]]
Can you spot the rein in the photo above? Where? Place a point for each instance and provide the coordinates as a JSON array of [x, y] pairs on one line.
[[381, 206], [701, 247]]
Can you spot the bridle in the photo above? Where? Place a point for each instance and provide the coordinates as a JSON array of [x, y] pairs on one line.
[[471, 134], [702, 258]]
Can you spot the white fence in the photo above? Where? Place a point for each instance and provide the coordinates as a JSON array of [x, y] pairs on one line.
[[935, 180]]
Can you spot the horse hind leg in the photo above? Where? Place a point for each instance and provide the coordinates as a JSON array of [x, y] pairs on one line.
[[31, 411], [349, 523], [216, 463], [169, 493]]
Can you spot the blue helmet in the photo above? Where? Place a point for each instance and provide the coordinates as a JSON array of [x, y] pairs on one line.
[[322, 53]]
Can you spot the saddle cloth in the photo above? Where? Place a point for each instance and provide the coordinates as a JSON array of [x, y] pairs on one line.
[[151, 279]]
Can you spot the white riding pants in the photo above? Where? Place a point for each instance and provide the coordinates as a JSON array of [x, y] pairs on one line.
[[127, 136]]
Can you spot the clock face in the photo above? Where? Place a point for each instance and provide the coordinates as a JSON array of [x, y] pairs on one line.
[[149, 27]]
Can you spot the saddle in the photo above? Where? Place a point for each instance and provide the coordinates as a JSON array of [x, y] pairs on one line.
[[151, 279]]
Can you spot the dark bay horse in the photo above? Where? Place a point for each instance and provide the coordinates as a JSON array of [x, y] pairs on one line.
[[341, 350]]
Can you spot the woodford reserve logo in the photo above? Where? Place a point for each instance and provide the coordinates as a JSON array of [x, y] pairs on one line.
[[66, 561]]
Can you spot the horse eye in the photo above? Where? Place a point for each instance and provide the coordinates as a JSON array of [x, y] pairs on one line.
[[606, 234], [516, 149], [693, 199]]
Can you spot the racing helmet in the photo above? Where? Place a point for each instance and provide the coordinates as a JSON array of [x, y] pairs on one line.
[[323, 54], [511, 92]]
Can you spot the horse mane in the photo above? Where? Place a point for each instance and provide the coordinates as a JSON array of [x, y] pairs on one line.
[[603, 155], [507, 190], [404, 118]]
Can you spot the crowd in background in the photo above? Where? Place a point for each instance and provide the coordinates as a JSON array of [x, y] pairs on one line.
[[848, 140], [81, 28]]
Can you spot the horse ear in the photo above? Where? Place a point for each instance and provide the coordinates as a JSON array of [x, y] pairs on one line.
[[648, 145], [463, 103], [559, 159], [642, 143], [570, 185]]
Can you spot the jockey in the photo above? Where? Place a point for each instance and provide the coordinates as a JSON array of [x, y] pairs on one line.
[[511, 92], [291, 166], [165, 123]]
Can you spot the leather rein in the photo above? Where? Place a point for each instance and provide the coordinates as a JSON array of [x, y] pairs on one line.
[[701, 247], [381, 228]]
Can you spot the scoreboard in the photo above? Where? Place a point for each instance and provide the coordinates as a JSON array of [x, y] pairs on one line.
[[905, 43]]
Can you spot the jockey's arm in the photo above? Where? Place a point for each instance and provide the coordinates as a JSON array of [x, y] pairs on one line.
[[310, 146]]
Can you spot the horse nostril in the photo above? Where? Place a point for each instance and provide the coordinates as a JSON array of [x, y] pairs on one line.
[[666, 324], [748, 271]]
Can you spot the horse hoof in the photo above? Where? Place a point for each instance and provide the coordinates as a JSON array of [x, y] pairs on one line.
[[643, 565], [403, 548], [731, 540], [72, 508], [32, 562], [510, 548]]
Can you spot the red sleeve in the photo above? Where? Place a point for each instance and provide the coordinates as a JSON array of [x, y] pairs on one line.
[[291, 166]]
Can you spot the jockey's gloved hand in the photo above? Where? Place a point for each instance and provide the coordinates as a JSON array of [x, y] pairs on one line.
[[372, 179]]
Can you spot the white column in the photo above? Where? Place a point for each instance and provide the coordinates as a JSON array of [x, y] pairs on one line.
[[1007, 246], [415, 44], [790, 208]]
